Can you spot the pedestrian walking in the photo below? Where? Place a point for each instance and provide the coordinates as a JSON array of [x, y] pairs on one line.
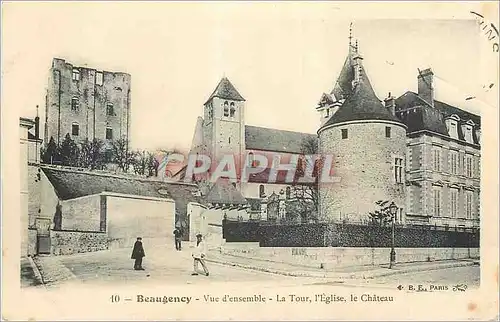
[[199, 255], [137, 254], [178, 237]]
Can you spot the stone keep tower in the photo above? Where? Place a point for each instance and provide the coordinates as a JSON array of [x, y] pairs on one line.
[[368, 144], [224, 125]]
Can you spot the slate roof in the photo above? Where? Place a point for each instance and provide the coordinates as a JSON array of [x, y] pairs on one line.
[[224, 192], [360, 103], [266, 139], [226, 90], [343, 87], [418, 115], [70, 184]]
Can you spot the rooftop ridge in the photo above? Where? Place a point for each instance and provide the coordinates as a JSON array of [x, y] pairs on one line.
[[102, 173], [269, 128]]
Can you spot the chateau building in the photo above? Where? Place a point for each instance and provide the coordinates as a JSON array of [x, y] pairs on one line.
[[86, 103], [415, 151], [418, 152]]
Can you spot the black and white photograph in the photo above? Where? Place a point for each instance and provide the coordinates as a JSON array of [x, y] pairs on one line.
[[250, 160]]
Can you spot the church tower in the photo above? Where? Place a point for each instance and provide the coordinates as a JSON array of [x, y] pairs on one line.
[[368, 144], [224, 125]]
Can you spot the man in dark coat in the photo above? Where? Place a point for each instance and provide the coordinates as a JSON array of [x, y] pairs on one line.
[[137, 254], [178, 237]]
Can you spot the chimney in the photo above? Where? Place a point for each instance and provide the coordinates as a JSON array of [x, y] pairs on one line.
[[390, 104], [426, 85], [37, 125]]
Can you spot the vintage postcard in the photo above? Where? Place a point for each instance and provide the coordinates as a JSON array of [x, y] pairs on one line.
[[250, 160]]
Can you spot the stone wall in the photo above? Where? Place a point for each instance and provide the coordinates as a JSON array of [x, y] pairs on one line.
[[115, 90], [332, 257], [32, 242], [82, 214], [129, 217], [364, 161], [72, 242]]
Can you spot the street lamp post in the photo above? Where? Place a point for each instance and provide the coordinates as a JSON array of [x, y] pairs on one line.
[[392, 210]]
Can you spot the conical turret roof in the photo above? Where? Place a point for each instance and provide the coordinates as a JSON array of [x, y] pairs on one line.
[[226, 90], [360, 103]]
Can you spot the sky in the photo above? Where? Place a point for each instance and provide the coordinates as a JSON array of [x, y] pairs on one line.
[[280, 56]]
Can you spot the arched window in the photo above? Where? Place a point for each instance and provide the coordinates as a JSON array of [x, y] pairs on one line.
[[232, 109], [226, 109], [262, 192]]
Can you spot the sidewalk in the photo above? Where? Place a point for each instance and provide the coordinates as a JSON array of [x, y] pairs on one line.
[[29, 277], [352, 272]]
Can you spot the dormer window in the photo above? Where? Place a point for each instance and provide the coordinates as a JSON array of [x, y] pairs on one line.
[[452, 125], [226, 108], [467, 130], [232, 109]]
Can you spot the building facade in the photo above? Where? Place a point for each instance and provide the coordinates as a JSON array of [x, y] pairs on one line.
[[443, 158], [415, 151], [86, 103]]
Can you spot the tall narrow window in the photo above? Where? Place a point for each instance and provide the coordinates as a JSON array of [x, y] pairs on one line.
[[232, 110], [262, 192], [75, 129], [454, 202], [468, 204], [437, 202], [387, 131], [98, 78], [398, 170], [226, 109], [468, 166], [74, 104], [109, 109], [344, 133], [76, 74], [453, 162], [288, 192], [109, 133], [437, 159], [229, 140], [327, 113]]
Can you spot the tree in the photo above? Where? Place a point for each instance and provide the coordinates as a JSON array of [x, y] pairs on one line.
[[69, 152], [139, 163], [92, 154], [145, 164], [305, 197], [382, 216], [120, 154], [50, 154]]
